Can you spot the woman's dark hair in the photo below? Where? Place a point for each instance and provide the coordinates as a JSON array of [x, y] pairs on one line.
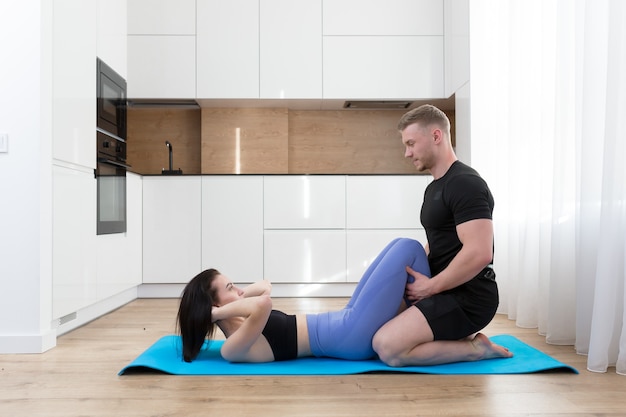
[[194, 313]]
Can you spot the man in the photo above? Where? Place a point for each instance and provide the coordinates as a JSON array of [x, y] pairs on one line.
[[461, 298]]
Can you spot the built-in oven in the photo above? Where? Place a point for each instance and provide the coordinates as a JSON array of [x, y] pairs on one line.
[[111, 151]]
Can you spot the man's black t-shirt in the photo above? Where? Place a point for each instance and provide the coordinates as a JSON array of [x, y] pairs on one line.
[[457, 197]]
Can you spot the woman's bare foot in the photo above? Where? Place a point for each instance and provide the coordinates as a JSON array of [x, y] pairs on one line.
[[488, 349]]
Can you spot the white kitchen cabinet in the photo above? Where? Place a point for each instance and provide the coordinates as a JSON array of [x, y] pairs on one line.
[[74, 82], [119, 255], [228, 49], [304, 202], [291, 49], [363, 246], [385, 201], [305, 256], [161, 66], [171, 228], [456, 48], [111, 39], [74, 278], [161, 17], [232, 226], [383, 18], [383, 67]]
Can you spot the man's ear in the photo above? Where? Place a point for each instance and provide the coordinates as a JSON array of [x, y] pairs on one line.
[[437, 135]]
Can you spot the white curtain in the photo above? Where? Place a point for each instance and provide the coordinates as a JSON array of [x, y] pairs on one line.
[[548, 132]]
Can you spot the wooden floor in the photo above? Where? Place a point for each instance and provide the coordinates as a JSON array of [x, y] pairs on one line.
[[79, 378]]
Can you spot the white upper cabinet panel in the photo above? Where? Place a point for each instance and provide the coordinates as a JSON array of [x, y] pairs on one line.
[[383, 67], [112, 27], [385, 202], [232, 226], [456, 45], [228, 49], [74, 82], [388, 17], [161, 17], [291, 49], [305, 202], [161, 67]]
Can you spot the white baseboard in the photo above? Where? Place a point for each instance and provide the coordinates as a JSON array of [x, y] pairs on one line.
[[28, 343], [92, 312]]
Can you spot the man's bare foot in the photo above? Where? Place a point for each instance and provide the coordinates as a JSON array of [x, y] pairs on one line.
[[488, 349]]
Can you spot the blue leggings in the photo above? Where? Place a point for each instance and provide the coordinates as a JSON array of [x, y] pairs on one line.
[[348, 333]]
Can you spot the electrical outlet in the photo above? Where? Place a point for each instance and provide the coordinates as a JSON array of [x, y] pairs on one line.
[[4, 142]]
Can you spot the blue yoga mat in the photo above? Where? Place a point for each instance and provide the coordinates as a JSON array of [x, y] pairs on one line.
[[165, 356]]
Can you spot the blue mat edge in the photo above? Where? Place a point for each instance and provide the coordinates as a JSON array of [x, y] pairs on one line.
[[526, 360]]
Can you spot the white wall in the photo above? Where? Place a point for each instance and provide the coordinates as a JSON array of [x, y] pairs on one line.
[[25, 177]]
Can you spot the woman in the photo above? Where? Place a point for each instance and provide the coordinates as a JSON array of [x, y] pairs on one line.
[[256, 333]]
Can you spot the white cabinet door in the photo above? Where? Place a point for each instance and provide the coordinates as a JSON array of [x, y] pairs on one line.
[[161, 17], [363, 246], [74, 278], [232, 226], [383, 67], [304, 202], [112, 24], [161, 67], [228, 49], [385, 202], [291, 49], [456, 37], [74, 81], [171, 229], [119, 255], [305, 256], [386, 18]]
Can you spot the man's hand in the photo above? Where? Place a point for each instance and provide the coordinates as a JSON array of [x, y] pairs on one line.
[[418, 286]]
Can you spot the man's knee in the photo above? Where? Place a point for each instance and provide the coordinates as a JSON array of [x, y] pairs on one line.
[[386, 350]]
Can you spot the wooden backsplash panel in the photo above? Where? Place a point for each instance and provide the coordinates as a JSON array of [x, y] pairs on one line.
[[245, 140], [346, 142], [149, 128]]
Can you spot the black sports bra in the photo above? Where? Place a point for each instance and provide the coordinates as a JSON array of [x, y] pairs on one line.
[[281, 333]]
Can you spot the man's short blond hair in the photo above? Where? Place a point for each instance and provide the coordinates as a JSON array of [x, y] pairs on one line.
[[425, 115]]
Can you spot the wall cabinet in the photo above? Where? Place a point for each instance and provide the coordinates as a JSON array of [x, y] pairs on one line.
[[172, 234], [232, 226], [290, 49], [383, 67], [161, 17], [74, 81], [112, 30], [457, 72], [228, 49]]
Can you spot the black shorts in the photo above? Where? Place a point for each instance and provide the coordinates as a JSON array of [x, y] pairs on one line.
[[462, 311]]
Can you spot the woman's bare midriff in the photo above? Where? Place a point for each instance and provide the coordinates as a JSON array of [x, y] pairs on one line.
[[304, 347]]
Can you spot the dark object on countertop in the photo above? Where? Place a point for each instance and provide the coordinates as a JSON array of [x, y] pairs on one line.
[[171, 171]]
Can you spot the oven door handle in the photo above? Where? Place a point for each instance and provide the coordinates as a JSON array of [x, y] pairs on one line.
[[111, 162]]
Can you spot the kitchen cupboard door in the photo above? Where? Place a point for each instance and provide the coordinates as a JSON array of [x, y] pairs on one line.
[[305, 256], [291, 49], [363, 246], [232, 226], [74, 277], [112, 40], [385, 201], [119, 255], [304, 202], [161, 17], [383, 67], [456, 38], [161, 67], [383, 18], [74, 82], [171, 229], [228, 49]]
